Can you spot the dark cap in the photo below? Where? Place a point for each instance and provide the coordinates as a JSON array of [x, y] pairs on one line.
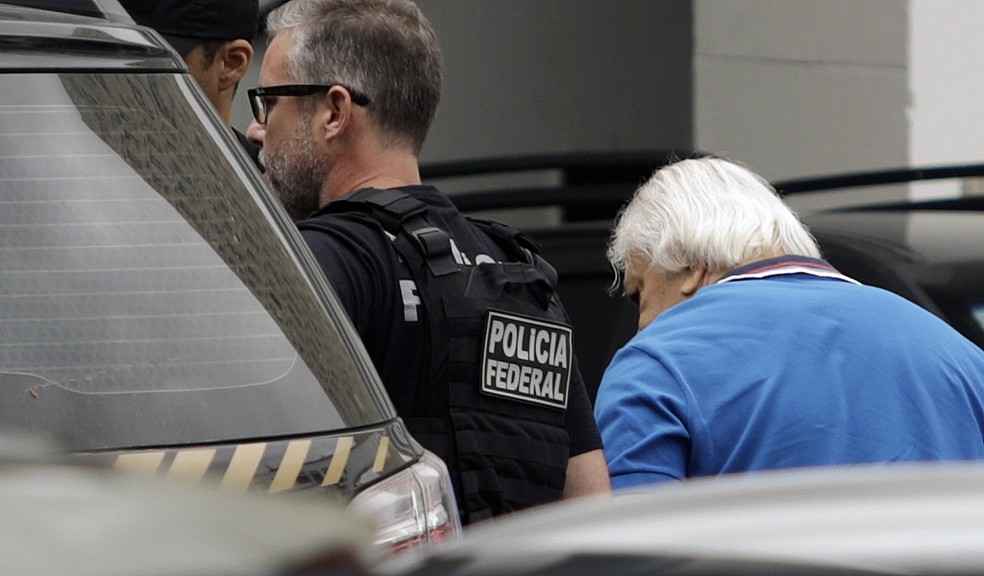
[[187, 23]]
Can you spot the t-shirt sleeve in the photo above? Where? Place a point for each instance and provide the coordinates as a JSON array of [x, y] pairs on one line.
[[581, 426], [349, 255], [642, 416]]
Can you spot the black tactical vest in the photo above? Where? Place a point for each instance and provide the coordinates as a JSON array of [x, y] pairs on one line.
[[491, 399]]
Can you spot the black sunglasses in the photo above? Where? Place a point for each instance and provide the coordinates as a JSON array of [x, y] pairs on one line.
[[262, 98]]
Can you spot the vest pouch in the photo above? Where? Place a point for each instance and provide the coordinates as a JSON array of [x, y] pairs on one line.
[[516, 279], [506, 464], [487, 370]]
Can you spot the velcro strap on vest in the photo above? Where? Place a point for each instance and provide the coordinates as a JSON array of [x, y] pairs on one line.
[[507, 464], [391, 207], [401, 214], [515, 448], [516, 493], [509, 234], [435, 245]]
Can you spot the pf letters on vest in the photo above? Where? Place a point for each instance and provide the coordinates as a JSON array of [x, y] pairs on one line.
[[526, 359]]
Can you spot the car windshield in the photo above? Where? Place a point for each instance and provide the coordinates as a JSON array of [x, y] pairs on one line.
[[147, 294]]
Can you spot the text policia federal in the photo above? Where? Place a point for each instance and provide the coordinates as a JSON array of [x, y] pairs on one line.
[[526, 359]]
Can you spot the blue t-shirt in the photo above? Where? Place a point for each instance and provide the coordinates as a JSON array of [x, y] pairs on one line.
[[789, 370]]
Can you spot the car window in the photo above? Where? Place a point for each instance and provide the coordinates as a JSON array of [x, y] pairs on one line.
[[143, 283]]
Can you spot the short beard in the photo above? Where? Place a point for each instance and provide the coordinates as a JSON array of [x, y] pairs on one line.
[[296, 173]]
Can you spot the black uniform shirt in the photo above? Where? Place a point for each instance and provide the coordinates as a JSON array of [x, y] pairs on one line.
[[371, 283]]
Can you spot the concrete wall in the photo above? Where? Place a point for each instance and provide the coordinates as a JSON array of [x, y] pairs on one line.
[[555, 75], [561, 75], [947, 81], [799, 87], [791, 87]]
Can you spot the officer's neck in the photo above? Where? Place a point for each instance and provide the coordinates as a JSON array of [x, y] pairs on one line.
[[386, 170]]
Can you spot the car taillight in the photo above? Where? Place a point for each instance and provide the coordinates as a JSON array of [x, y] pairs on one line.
[[412, 508]]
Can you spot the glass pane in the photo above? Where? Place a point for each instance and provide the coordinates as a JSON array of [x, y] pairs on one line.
[[136, 260]]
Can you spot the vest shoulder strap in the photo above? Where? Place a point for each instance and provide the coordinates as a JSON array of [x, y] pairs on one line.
[[404, 217], [508, 237]]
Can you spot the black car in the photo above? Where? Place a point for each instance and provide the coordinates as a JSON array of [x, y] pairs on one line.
[[158, 310], [881, 227], [918, 232]]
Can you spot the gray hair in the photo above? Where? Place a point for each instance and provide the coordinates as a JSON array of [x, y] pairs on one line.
[[385, 49], [706, 212]]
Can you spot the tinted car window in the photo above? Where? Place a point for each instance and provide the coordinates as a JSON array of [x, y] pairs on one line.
[[125, 281], [931, 257]]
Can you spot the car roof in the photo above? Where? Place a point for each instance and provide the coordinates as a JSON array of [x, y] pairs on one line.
[[109, 10], [597, 184], [915, 234], [94, 35], [876, 177], [587, 185]]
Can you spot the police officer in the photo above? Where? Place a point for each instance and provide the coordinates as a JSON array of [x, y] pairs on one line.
[[460, 319], [215, 39]]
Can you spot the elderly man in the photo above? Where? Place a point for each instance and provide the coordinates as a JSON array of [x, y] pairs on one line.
[[753, 353]]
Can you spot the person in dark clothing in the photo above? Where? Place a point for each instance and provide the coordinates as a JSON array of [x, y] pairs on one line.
[[460, 318], [215, 39]]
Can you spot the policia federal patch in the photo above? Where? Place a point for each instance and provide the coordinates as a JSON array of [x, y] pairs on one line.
[[526, 359]]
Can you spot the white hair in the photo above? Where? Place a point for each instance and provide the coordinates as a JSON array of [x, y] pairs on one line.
[[707, 212]]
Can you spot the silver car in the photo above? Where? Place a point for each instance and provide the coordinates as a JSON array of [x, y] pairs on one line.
[[894, 519], [158, 310]]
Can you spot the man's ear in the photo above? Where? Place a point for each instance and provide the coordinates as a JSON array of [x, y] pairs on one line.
[[237, 55], [338, 114], [694, 278]]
